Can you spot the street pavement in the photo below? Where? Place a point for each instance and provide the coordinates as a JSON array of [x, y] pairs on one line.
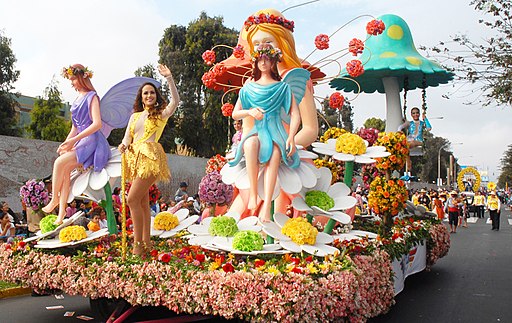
[[473, 283]]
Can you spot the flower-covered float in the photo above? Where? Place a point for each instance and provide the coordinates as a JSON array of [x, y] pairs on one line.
[[237, 267]]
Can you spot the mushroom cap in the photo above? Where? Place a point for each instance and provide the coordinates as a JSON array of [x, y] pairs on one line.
[[392, 54]]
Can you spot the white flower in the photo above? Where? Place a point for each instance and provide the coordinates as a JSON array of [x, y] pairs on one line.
[[90, 183], [55, 242], [355, 234], [184, 221], [290, 180], [329, 148], [338, 192], [226, 244], [320, 248], [65, 223], [200, 235]]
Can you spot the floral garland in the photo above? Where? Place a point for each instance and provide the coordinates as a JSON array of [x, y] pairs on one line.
[[460, 179], [34, 194], [387, 196], [68, 72], [215, 163], [213, 190], [396, 145], [438, 245], [263, 18]]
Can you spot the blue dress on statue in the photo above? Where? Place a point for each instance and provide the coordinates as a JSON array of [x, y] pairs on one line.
[[276, 100], [92, 150]]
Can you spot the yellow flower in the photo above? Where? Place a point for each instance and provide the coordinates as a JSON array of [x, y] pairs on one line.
[[332, 133], [213, 266], [72, 233], [300, 231], [312, 268], [273, 270], [349, 143], [165, 221]]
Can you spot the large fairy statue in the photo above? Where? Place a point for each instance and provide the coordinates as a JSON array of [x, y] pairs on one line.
[[269, 26], [261, 101], [85, 145]]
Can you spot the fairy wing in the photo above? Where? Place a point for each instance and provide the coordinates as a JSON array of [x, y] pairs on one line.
[[297, 79], [117, 103]]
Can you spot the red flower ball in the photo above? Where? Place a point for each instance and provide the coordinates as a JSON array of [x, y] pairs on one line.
[[208, 79], [227, 109], [355, 68], [322, 41], [209, 57], [259, 263], [239, 52], [200, 257], [356, 46], [164, 257], [336, 100], [375, 27]]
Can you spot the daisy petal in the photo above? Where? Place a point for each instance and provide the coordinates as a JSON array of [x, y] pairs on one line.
[[323, 238], [97, 180], [324, 150], [185, 223], [289, 180], [319, 211], [198, 229], [261, 186], [113, 169], [341, 217], [307, 175], [290, 245], [344, 203], [343, 157], [200, 240], [324, 182], [181, 214], [362, 233], [338, 189], [274, 231], [364, 160], [298, 203], [305, 154], [280, 219], [248, 221], [320, 250], [80, 184]]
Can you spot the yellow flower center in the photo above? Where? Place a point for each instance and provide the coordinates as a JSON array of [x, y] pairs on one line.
[[349, 143], [165, 221], [72, 233], [300, 231]]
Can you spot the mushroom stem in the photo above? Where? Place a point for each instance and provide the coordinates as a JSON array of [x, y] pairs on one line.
[[393, 105]]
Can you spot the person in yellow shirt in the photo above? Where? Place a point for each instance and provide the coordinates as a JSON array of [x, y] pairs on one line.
[[494, 206], [479, 203]]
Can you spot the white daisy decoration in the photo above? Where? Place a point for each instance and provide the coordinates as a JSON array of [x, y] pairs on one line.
[[175, 222], [329, 148], [55, 242], [355, 234], [204, 233], [417, 210], [335, 196], [226, 244], [290, 180], [90, 183], [299, 235]]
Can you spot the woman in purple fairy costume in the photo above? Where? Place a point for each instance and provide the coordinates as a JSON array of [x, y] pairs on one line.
[[85, 145]]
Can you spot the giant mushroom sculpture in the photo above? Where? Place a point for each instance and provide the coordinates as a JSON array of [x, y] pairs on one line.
[[392, 63]]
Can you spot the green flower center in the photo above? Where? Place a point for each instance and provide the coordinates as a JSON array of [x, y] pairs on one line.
[[223, 226], [319, 199], [247, 241]]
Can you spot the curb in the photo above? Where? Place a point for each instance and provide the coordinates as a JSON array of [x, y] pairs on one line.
[[15, 291]]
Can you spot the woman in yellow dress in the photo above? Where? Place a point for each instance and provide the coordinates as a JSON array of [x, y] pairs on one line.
[[146, 159]]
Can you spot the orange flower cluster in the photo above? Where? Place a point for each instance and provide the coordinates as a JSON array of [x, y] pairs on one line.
[[396, 145], [387, 196]]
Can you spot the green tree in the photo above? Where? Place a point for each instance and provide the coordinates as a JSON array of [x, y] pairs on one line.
[[376, 123], [199, 122], [8, 75], [46, 123], [347, 117], [505, 178], [425, 167], [327, 117], [486, 62]]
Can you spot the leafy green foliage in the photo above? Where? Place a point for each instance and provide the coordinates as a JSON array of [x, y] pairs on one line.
[[505, 178], [46, 123], [198, 119], [8, 75], [376, 123]]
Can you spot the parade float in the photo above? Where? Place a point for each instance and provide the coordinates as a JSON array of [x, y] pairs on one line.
[[314, 261]]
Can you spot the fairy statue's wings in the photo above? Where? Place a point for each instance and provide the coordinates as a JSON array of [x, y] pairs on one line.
[[297, 79], [117, 103]]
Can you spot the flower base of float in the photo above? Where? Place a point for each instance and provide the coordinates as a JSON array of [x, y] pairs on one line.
[[189, 279]]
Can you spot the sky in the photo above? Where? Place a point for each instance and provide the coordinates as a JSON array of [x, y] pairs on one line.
[[114, 38]]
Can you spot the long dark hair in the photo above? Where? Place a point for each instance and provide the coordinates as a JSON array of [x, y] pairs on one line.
[[159, 106], [274, 73]]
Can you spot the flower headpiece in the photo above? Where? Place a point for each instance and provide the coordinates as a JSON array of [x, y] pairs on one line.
[[267, 51], [67, 72], [269, 19]]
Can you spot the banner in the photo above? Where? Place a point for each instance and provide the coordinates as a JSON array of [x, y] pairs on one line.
[[411, 263]]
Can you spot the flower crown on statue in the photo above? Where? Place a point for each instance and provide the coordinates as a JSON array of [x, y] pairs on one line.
[[67, 72], [269, 19], [267, 51]]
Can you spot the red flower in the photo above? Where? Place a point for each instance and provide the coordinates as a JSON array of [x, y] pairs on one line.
[[355, 68], [336, 100], [209, 57], [154, 253], [227, 109], [200, 257], [228, 268], [356, 46], [164, 257], [375, 27], [208, 79], [322, 41], [295, 260], [297, 270], [219, 70], [259, 263], [21, 244], [239, 52], [309, 259]]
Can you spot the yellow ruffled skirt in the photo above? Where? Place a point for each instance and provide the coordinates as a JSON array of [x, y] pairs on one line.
[[145, 159]]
